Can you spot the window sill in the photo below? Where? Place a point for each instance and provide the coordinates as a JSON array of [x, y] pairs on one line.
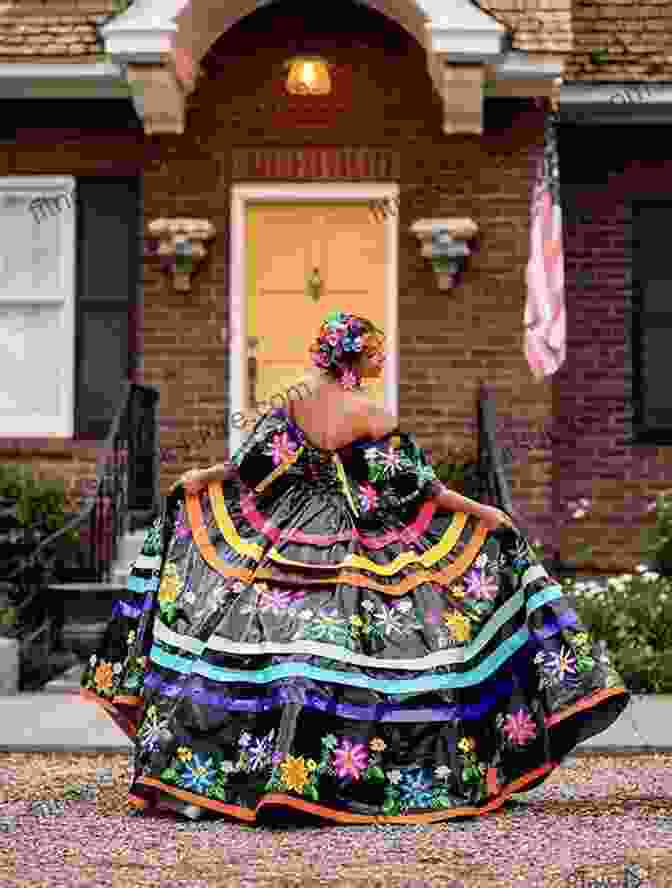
[[64, 448]]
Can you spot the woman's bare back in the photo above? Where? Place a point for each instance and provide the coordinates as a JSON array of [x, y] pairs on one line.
[[331, 418]]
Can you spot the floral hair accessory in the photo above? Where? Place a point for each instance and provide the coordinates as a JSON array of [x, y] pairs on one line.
[[342, 339]]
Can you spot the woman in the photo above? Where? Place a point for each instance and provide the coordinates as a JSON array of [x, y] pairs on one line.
[[321, 626]]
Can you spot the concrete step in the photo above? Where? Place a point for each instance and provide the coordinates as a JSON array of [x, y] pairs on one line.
[[68, 683], [130, 546], [84, 637], [129, 549], [85, 601]]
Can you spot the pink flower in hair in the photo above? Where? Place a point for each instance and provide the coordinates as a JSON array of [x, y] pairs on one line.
[[320, 359], [282, 449], [349, 379]]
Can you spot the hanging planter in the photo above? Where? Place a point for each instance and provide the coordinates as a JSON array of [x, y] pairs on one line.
[[181, 247], [444, 242]]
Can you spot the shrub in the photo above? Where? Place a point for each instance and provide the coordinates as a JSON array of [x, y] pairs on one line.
[[632, 614], [40, 503]]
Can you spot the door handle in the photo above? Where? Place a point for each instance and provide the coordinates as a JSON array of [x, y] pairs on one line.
[[314, 285]]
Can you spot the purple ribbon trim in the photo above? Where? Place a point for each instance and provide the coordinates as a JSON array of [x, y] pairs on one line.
[[553, 626], [381, 712], [122, 608]]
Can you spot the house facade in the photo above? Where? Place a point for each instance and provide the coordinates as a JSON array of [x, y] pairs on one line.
[[214, 217]]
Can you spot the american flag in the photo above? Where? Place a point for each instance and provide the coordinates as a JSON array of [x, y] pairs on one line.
[[545, 319]]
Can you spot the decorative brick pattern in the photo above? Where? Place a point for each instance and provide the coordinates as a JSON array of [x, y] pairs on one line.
[[60, 31], [635, 36], [538, 26], [349, 164]]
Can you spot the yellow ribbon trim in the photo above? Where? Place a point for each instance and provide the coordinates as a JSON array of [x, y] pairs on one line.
[[443, 577], [344, 482], [227, 527], [280, 470], [427, 559], [253, 550]]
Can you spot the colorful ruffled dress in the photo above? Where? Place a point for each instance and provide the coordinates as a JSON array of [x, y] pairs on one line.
[[314, 634]]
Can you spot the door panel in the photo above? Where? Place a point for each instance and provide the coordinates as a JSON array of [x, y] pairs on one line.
[[285, 242]]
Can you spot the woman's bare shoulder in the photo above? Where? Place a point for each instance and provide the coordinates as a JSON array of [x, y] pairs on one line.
[[377, 421]]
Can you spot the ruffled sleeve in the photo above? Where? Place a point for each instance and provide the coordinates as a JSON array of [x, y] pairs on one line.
[[398, 473], [268, 453]]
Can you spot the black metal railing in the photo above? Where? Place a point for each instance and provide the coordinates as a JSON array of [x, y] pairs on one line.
[[493, 471], [126, 485], [494, 479]]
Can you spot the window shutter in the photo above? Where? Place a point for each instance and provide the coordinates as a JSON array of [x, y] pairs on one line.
[[652, 320], [108, 273], [37, 298]]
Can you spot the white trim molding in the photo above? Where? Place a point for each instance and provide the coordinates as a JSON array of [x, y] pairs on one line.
[[176, 34], [39, 280], [98, 80], [244, 193]]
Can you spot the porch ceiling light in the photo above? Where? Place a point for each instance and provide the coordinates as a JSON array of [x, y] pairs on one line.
[[308, 76]]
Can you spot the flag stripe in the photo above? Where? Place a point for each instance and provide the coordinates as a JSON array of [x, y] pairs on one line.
[[545, 317]]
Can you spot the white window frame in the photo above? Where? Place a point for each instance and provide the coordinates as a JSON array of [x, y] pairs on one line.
[[244, 193], [30, 187]]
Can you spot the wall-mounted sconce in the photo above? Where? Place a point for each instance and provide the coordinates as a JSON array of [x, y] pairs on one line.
[[181, 246], [308, 76], [444, 241]]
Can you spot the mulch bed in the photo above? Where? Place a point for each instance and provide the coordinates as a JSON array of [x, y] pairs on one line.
[[598, 821]]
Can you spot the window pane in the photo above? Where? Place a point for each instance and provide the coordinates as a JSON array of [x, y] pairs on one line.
[[108, 251], [36, 306], [104, 349], [653, 273], [30, 369], [108, 225], [30, 262]]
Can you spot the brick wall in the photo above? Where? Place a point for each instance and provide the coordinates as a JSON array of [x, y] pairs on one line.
[[596, 386], [449, 341]]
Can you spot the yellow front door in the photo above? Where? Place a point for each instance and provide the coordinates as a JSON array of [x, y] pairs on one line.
[[288, 245]]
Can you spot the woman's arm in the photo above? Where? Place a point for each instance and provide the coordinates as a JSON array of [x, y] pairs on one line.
[[455, 502], [218, 472], [195, 479]]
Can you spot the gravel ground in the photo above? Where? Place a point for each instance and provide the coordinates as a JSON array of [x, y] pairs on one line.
[[596, 822]]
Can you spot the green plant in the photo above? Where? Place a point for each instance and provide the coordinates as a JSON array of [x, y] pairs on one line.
[[632, 615], [656, 540], [599, 56], [38, 501]]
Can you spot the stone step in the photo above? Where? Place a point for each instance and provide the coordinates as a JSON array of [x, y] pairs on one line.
[[68, 683], [130, 546], [83, 637], [84, 601]]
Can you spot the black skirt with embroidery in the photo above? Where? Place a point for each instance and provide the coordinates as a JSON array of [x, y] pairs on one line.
[[313, 634]]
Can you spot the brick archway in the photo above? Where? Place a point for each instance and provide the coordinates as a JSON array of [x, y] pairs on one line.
[[201, 22], [162, 43]]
